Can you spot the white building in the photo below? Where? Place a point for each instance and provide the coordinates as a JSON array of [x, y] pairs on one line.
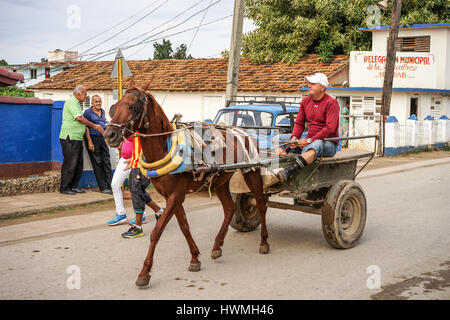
[[35, 72], [422, 74], [193, 87]]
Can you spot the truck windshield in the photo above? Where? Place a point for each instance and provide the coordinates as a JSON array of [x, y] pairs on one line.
[[244, 118]]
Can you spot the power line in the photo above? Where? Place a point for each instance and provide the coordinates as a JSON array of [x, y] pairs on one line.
[[97, 35], [203, 18], [123, 30], [116, 25], [97, 55], [167, 29], [101, 70]]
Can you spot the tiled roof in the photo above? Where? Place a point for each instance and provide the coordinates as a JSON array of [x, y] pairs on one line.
[[197, 74], [23, 100], [9, 78]]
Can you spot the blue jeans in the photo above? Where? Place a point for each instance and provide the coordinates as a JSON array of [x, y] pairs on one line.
[[327, 148]]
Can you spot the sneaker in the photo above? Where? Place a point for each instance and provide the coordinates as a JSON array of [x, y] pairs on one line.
[[133, 232], [119, 218], [144, 220], [107, 191], [76, 190], [158, 214], [67, 192]]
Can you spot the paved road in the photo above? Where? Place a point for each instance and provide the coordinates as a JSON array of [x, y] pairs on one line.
[[406, 239]]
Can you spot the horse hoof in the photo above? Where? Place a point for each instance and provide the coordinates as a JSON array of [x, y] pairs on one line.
[[142, 281], [215, 254], [194, 267], [264, 249]]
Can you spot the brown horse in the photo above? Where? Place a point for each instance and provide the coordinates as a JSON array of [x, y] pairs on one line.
[[139, 111]]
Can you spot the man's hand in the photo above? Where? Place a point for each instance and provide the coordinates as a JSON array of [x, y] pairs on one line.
[[91, 146], [303, 143], [293, 142], [99, 128]]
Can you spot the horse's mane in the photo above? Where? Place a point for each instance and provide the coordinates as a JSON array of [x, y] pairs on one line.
[[159, 113]]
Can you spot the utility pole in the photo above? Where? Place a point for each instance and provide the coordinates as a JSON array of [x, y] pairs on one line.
[[235, 49], [390, 64]]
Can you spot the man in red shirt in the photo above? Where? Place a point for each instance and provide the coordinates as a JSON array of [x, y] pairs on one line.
[[321, 111]]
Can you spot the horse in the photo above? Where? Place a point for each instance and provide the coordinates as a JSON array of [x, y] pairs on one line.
[[138, 111]]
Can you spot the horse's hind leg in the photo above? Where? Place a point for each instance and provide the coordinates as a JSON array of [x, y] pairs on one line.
[[224, 195], [254, 182], [184, 226]]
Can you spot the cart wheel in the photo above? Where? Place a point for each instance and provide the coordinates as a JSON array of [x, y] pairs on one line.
[[344, 214], [246, 217]]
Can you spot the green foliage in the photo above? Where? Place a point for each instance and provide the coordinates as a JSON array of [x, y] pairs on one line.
[[3, 62], [164, 51], [289, 29], [15, 92]]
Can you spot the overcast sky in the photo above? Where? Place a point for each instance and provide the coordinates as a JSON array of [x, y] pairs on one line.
[[29, 29]]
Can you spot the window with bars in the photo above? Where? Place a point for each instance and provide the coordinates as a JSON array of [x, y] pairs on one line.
[[413, 44], [86, 104], [365, 106], [435, 108]]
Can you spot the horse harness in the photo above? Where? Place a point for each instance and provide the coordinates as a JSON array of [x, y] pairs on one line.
[[138, 109]]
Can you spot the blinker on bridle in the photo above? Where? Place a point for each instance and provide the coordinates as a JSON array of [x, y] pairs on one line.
[[141, 99]]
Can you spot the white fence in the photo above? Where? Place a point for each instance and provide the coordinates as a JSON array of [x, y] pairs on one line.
[[416, 133]]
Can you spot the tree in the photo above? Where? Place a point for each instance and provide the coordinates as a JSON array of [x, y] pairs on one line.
[[164, 51], [225, 54], [3, 62], [289, 29], [15, 92], [180, 52]]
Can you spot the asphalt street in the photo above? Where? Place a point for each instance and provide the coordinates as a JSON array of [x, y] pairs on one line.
[[404, 252]]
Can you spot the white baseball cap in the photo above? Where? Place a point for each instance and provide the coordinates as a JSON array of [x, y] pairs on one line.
[[318, 78]]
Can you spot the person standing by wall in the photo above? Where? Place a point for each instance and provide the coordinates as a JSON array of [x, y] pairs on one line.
[[71, 136], [345, 124], [97, 148]]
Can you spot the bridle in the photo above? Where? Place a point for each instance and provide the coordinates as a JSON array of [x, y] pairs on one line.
[[137, 114]]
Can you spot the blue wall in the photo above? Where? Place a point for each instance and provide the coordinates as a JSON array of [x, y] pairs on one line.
[[56, 151], [26, 132], [31, 134]]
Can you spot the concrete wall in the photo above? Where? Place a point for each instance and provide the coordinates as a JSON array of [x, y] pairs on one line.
[[26, 132], [416, 134]]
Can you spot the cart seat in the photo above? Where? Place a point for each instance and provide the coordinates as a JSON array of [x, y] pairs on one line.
[[347, 155]]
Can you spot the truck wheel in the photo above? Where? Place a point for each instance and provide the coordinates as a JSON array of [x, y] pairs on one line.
[[344, 214], [246, 217]]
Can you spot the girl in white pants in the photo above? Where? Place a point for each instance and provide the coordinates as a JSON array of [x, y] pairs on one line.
[[116, 184]]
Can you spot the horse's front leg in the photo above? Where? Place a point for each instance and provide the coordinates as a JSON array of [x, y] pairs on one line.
[[144, 276]]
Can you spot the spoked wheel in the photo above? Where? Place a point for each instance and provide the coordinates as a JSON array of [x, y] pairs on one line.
[[246, 217], [344, 214]]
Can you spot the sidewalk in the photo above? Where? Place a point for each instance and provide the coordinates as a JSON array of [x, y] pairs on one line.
[[21, 205]]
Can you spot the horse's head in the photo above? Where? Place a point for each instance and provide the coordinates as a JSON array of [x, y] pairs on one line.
[[128, 115]]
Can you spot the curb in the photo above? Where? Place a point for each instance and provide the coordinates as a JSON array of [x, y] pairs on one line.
[[23, 213]]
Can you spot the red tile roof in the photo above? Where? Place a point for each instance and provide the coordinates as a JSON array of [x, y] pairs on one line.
[[9, 78], [197, 74], [23, 100]]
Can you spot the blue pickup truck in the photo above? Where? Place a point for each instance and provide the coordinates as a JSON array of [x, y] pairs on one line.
[[268, 121]]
